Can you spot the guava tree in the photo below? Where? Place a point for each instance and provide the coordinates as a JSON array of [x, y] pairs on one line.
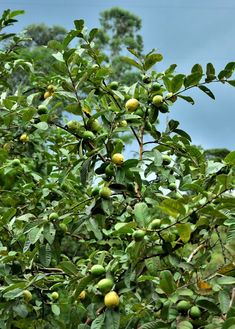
[[91, 235]]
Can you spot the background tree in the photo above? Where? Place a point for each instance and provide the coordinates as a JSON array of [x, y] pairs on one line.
[[118, 30]]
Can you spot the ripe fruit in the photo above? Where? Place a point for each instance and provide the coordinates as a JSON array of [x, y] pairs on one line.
[[24, 138], [105, 192], [97, 270], [157, 100], [54, 295], [111, 299], [27, 295], [15, 162], [132, 104], [155, 224], [183, 306], [123, 123], [82, 295], [63, 227], [42, 109], [166, 160], [118, 158], [53, 216], [47, 94], [51, 88], [105, 285], [113, 85], [195, 312], [88, 135], [138, 235], [73, 125]]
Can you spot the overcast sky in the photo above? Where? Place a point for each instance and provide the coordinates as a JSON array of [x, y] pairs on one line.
[[184, 31]]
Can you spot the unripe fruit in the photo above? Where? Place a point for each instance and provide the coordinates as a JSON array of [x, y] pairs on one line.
[[47, 94], [123, 123], [105, 192], [54, 295], [183, 306], [82, 295], [27, 295], [166, 159], [63, 227], [15, 162], [109, 170], [118, 158], [163, 108], [146, 79], [97, 270], [88, 135], [24, 138], [132, 104], [53, 216], [42, 109], [94, 125], [138, 235], [157, 100], [113, 85], [155, 86], [195, 312], [155, 224], [105, 285], [185, 325], [73, 125], [111, 299]]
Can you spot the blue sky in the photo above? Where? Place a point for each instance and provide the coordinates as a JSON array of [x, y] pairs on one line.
[[185, 32]]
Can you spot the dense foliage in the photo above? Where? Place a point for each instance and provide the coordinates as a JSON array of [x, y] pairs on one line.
[[90, 239]]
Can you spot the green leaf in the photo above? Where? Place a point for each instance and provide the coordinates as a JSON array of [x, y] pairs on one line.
[[230, 158], [124, 228], [79, 24], [231, 82], [93, 33], [226, 280], [197, 68], [229, 323], [227, 71], [35, 234], [45, 255], [132, 62], [192, 79], [172, 207], [184, 231], [210, 72], [112, 319], [208, 305], [68, 267], [224, 300], [207, 91], [151, 60], [154, 325], [177, 82], [82, 285], [41, 126], [84, 171], [183, 134], [98, 322], [142, 214], [187, 99], [167, 282], [55, 309]]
